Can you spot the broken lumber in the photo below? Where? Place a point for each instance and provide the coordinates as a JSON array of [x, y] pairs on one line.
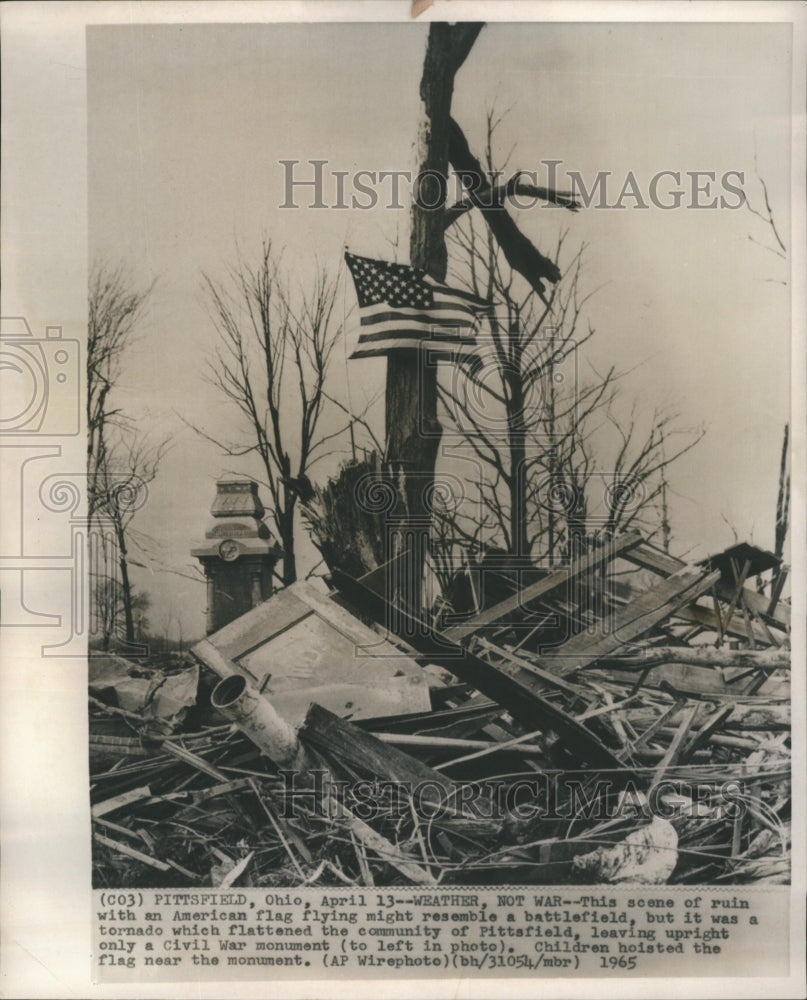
[[674, 748], [736, 626], [451, 743], [515, 688], [130, 852], [389, 852], [555, 580], [647, 556], [703, 656], [630, 622], [120, 801], [347, 743]]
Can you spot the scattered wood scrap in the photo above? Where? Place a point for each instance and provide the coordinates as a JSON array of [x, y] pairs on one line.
[[584, 729]]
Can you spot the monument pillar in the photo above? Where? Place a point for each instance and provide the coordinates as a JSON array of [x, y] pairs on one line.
[[238, 555]]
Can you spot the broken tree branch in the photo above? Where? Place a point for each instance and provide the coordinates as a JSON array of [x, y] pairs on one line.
[[521, 255]]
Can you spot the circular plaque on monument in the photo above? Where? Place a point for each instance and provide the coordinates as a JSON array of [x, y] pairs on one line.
[[229, 550]]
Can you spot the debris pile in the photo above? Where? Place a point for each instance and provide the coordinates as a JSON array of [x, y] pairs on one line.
[[622, 719]]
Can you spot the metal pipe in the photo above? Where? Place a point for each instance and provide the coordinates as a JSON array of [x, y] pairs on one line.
[[256, 717]]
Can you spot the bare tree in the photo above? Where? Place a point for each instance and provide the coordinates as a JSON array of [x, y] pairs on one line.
[[120, 461], [275, 348], [560, 461], [108, 606], [130, 464], [114, 309], [774, 244]]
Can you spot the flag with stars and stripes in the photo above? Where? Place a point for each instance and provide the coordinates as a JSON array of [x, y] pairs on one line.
[[401, 307]]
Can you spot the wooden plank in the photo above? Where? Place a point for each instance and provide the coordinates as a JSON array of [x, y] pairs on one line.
[[452, 743], [706, 617], [522, 742], [706, 656], [648, 557], [550, 679], [476, 712], [120, 801], [760, 605], [783, 610], [390, 853], [657, 726], [549, 583], [122, 830], [674, 748], [342, 741], [191, 758], [630, 622], [515, 688], [257, 626], [721, 740], [130, 852], [203, 794], [690, 680], [711, 725]]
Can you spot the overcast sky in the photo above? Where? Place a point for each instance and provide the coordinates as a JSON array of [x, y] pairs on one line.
[[187, 127]]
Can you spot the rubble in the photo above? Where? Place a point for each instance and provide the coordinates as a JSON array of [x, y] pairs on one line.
[[151, 694], [621, 719]]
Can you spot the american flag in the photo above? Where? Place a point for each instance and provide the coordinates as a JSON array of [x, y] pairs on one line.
[[402, 307]]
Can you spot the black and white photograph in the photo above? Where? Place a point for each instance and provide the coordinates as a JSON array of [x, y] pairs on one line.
[[426, 477]]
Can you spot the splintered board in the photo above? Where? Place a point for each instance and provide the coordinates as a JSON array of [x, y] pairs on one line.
[[634, 620]]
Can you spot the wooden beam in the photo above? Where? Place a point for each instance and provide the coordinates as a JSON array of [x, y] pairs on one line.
[[389, 852], [674, 748], [550, 679], [711, 725], [648, 557], [630, 622], [553, 581], [706, 617], [426, 742], [342, 741], [130, 852], [660, 722], [694, 682], [705, 656]]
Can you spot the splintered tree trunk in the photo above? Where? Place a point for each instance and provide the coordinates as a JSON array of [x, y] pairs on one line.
[[412, 428], [286, 531]]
